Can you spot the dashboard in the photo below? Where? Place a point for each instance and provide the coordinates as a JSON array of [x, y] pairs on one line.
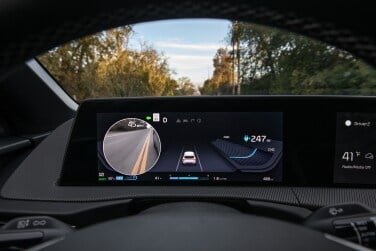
[[277, 157], [301, 141], [296, 167]]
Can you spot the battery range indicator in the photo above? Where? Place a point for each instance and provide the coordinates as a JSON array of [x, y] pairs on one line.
[[148, 118], [184, 178]]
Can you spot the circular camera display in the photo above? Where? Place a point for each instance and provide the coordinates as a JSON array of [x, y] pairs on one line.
[[131, 146]]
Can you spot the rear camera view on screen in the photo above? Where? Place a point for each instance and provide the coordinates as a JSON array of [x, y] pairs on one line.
[[131, 146], [174, 147]]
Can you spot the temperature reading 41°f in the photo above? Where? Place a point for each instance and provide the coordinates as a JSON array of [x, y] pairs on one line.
[[348, 156]]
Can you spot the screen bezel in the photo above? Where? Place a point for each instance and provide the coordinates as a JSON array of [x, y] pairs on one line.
[[80, 161]]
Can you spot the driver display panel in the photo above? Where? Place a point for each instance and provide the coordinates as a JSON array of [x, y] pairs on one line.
[[209, 141], [355, 148], [189, 146]]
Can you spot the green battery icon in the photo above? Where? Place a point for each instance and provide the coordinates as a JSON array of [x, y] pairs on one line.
[[148, 117]]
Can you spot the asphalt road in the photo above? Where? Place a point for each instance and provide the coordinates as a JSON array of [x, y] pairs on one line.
[[130, 152]]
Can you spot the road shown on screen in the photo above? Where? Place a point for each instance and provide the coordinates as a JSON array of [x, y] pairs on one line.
[[207, 159], [131, 152]]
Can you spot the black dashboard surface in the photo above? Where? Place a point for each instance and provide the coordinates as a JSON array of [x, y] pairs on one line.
[[215, 227], [37, 177]]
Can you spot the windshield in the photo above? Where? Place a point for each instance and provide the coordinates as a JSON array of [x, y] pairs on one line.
[[204, 57]]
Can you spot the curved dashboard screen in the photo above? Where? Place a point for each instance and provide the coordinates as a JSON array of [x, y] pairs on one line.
[[202, 146], [297, 141], [355, 148]]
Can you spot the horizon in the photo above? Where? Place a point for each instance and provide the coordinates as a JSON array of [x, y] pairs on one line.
[[188, 44]]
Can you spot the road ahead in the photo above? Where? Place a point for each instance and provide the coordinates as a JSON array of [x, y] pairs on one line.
[[130, 152], [208, 160]]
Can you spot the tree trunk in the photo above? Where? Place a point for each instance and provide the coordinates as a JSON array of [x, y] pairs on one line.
[[233, 66], [238, 57]]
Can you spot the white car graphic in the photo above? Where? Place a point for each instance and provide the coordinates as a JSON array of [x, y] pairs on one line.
[[189, 158]]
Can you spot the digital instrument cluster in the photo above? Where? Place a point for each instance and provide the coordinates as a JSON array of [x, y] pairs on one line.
[[190, 146], [292, 141]]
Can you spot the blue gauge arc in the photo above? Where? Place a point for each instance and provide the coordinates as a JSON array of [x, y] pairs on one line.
[[245, 157]]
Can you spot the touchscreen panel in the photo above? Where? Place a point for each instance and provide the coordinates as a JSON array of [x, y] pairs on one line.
[[175, 147], [355, 148]]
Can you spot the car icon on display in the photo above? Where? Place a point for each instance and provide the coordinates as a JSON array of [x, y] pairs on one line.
[[189, 158]]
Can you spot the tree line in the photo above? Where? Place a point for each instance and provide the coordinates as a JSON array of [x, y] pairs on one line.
[[103, 65], [255, 60], [262, 60]]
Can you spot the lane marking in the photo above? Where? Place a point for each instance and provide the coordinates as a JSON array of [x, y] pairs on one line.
[[142, 165], [199, 162], [180, 156], [137, 166], [146, 154]]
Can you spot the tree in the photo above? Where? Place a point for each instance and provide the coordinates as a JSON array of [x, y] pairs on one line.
[[143, 73], [272, 61], [102, 65], [186, 87], [221, 81], [234, 37]]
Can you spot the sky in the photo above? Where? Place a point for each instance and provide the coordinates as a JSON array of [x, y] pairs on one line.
[[188, 44]]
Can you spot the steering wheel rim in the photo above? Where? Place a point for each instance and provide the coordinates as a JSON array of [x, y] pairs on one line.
[[195, 226]]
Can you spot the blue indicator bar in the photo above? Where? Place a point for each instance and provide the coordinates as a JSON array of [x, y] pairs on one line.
[[188, 178], [184, 178]]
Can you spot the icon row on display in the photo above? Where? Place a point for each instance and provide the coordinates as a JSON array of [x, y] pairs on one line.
[[188, 120], [157, 118]]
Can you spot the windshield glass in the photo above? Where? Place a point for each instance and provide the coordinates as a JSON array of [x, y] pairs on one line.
[[204, 57]]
